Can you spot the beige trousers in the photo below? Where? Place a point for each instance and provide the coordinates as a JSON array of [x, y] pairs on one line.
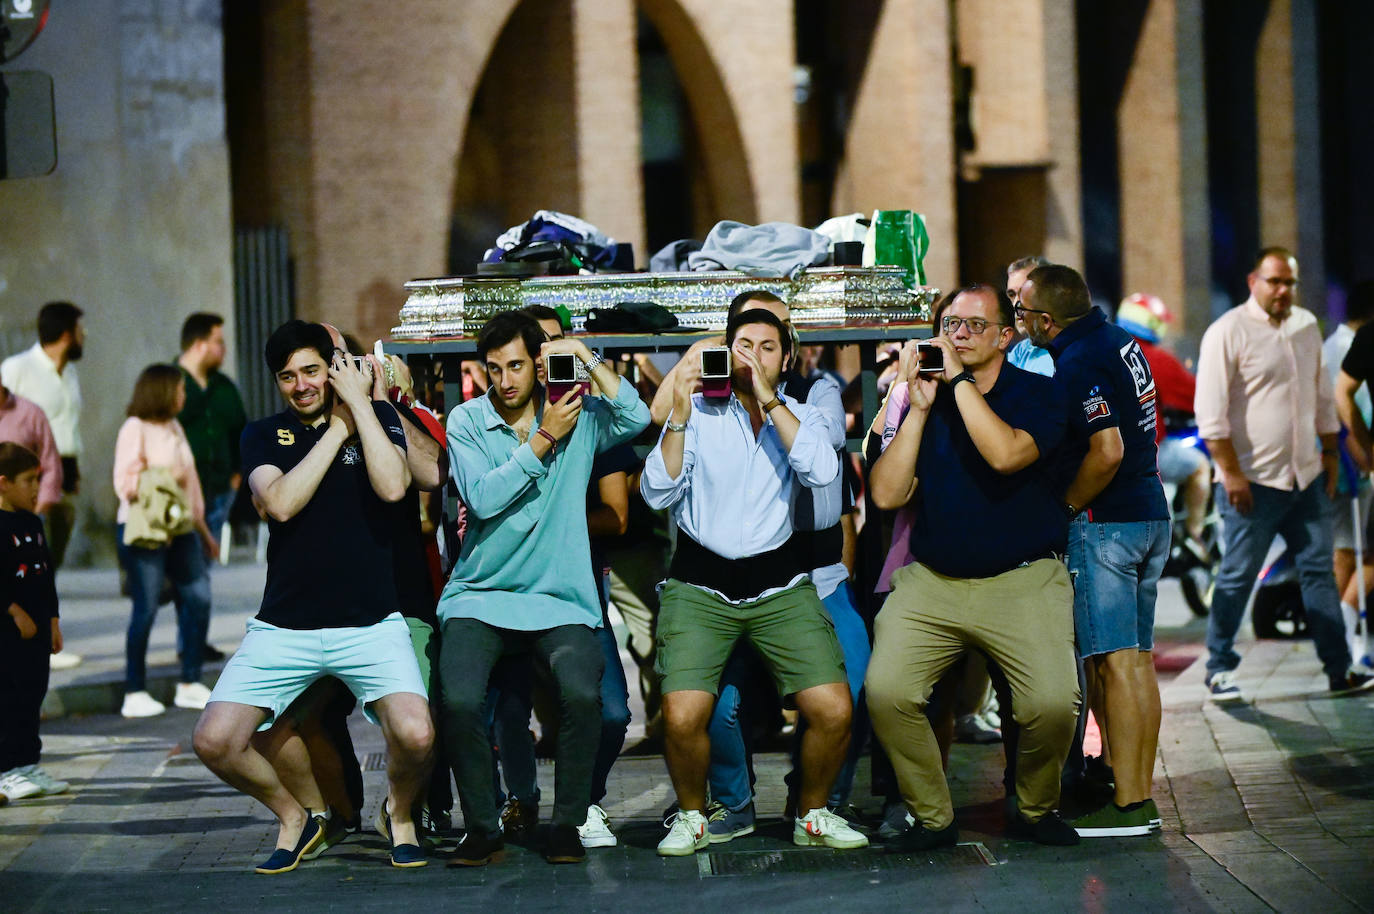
[[1023, 620]]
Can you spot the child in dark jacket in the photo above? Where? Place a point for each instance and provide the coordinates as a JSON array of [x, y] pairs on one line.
[[29, 630]]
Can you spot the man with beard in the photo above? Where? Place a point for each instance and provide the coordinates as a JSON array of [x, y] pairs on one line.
[[325, 471], [523, 581]]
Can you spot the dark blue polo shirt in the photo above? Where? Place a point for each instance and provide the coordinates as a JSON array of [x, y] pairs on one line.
[[972, 521], [330, 566], [1107, 384]]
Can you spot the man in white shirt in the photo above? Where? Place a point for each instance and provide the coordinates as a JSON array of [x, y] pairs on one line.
[[45, 375]]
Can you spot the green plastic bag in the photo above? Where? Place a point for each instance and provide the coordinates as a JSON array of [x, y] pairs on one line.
[[897, 237]]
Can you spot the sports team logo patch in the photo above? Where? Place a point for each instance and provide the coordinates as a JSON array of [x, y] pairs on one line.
[[1134, 358], [286, 437], [1096, 408]]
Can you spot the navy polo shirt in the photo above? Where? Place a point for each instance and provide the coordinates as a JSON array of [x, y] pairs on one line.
[[329, 566], [970, 520], [1107, 384]]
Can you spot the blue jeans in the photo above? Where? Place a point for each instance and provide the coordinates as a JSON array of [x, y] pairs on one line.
[[1303, 519], [183, 563], [217, 512], [1116, 568], [731, 775]]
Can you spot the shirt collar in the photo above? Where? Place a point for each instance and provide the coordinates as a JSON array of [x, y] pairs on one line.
[[491, 419], [1251, 309], [1077, 330]]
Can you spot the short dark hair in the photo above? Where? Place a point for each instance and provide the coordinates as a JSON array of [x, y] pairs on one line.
[[739, 301], [197, 327], [758, 316], [543, 313], [15, 459], [1272, 251], [1060, 291], [155, 393], [505, 328], [1359, 303], [56, 318], [1024, 263], [293, 335], [1004, 312]]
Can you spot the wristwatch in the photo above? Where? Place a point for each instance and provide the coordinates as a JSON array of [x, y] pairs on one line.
[[597, 360], [962, 376], [675, 426], [1071, 510]]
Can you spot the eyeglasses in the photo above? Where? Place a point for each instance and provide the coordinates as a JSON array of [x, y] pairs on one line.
[[1022, 310], [975, 325], [1276, 282]]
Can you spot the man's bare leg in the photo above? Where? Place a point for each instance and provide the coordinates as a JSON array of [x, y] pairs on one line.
[[409, 734], [1122, 681], [289, 756], [224, 742], [828, 711], [687, 747]]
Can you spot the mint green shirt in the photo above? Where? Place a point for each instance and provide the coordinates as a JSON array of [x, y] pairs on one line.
[[524, 563]]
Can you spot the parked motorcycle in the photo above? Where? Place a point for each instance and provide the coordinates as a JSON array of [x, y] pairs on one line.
[[1194, 562]]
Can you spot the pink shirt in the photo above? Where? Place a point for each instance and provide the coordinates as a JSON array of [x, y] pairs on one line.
[[1267, 389], [144, 444], [899, 553], [23, 422]]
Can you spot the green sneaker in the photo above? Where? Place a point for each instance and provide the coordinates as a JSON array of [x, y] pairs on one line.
[[1110, 822], [1156, 820]]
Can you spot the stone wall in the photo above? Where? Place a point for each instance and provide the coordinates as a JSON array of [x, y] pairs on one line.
[[134, 224]]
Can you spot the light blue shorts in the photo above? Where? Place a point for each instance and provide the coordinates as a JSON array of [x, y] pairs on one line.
[[1115, 569], [273, 666]]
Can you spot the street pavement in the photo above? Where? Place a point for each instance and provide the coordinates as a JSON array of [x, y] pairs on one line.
[[1267, 805]]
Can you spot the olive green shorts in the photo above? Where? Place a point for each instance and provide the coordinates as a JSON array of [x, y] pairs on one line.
[[790, 630]]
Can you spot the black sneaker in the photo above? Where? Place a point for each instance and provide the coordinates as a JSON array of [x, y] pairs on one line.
[[918, 838], [565, 845], [479, 850], [1048, 829], [1350, 683]]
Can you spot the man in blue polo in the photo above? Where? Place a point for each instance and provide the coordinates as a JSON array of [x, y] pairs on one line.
[[1119, 537], [972, 459], [522, 581]]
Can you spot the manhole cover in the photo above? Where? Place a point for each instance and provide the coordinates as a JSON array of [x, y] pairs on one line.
[[800, 860]]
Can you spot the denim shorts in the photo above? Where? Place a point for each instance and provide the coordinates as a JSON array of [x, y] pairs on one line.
[[273, 665], [1115, 569]]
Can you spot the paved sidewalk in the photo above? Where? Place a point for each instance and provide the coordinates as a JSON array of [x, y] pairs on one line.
[[1267, 806]]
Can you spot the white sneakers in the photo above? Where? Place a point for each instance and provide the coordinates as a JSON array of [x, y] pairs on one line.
[[29, 781], [191, 695], [141, 704], [64, 660], [596, 831], [823, 828], [686, 834]]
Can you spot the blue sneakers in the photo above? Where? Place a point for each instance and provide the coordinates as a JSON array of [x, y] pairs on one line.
[[724, 824]]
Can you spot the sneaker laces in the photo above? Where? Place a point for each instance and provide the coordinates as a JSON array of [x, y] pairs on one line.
[[681, 818], [824, 819]]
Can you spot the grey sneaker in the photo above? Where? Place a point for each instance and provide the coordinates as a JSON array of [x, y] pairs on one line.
[[725, 824], [896, 820], [1222, 687], [46, 782], [974, 728], [15, 785]]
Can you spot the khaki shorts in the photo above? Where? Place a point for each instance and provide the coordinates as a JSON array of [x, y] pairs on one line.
[[790, 630]]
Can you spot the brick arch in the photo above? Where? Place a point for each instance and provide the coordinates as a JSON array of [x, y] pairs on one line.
[[730, 188]]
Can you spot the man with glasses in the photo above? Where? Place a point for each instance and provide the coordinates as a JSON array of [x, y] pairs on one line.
[[1024, 353], [971, 459], [1263, 400], [1119, 536]]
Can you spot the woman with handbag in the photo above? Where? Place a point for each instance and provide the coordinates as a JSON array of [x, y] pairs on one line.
[[161, 533]]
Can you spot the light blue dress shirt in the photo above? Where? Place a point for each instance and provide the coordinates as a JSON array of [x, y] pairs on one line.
[[524, 560], [1031, 357], [826, 503], [734, 494]]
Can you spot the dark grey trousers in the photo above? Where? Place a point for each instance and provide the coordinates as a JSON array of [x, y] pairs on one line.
[[469, 651]]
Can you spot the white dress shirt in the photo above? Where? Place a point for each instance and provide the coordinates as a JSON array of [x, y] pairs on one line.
[[34, 376]]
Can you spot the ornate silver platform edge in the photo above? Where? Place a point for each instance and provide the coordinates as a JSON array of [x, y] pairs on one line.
[[821, 296]]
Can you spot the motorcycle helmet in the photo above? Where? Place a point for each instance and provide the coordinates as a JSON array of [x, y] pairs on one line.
[[1143, 315]]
